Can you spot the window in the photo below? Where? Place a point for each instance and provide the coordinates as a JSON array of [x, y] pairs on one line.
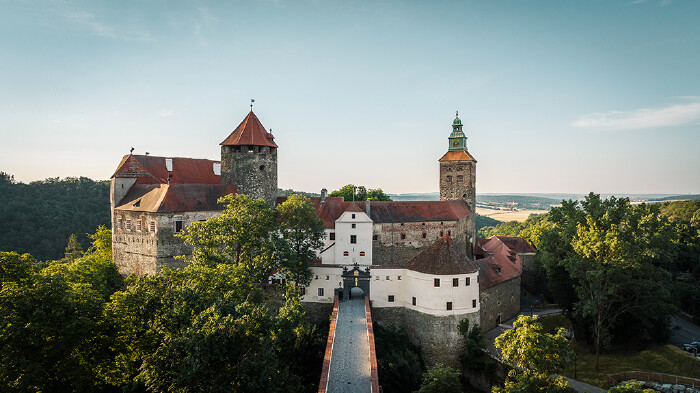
[[424, 235], [328, 278], [331, 236], [139, 225], [320, 292], [345, 253], [442, 233], [128, 224], [467, 284], [449, 179], [119, 223], [362, 253], [152, 226], [391, 298], [455, 282], [460, 179], [387, 278], [413, 301], [459, 168], [449, 233], [449, 169], [398, 278], [401, 224], [316, 277], [436, 282], [178, 226], [403, 236], [375, 237], [353, 239], [474, 303], [353, 216], [449, 306], [354, 226]]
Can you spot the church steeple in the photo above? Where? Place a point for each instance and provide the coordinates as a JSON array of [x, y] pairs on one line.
[[457, 139]]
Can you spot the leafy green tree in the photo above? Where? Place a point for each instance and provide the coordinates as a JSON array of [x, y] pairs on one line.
[[16, 268], [242, 235], [474, 356], [535, 356], [351, 192], [303, 233], [73, 249], [399, 361], [440, 379]]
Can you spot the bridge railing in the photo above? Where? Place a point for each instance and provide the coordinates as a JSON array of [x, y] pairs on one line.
[[374, 375], [648, 376], [323, 384]]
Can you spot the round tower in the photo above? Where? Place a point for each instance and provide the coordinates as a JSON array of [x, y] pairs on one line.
[[249, 160], [458, 168]]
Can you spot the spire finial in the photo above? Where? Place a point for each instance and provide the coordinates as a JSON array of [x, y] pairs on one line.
[[457, 114], [251, 104]]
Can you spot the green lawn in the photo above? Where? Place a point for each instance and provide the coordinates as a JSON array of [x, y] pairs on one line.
[[666, 359]]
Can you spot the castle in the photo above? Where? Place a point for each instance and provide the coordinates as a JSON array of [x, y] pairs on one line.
[[414, 260]]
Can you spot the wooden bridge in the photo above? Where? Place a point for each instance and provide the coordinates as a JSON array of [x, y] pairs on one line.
[[350, 363]]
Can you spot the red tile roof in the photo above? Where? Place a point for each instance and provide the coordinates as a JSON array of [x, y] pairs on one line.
[[175, 198], [500, 264], [457, 155], [391, 211], [517, 244], [250, 132], [354, 208], [153, 170], [442, 258]]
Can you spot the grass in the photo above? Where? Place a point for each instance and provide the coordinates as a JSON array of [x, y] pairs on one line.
[[666, 359]]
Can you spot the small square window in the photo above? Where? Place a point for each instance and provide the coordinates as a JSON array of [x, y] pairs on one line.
[[119, 223], [403, 236], [424, 235], [316, 277], [331, 236], [362, 253], [449, 306], [139, 225], [449, 233], [442, 233], [152, 226], [178, 226], [387, 278], [345, 253], [375, 237], [455, 282], [354, 226], [398, 278], [391, 298], [353, 215], [401, 224], [474, 303], [353, 239], [468, 281], [413, 301], [460, 178], [128, 224], [449, 179], [320, 292], [436, 282], [328, 278]]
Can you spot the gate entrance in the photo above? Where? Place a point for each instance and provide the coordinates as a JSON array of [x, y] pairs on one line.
[[354, 281]]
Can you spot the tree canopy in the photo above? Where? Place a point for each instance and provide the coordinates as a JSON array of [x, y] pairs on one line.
[[350, 192]]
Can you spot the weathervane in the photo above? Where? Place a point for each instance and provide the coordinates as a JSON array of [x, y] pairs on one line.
[[457, 114], [251, 104]]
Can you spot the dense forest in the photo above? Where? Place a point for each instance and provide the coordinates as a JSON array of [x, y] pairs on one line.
[[619, 270], [38, 218]]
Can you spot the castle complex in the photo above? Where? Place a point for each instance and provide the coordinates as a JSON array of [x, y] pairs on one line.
[[414, 260]]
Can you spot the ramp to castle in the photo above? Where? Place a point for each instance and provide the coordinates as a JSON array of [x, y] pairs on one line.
[[350, 364]]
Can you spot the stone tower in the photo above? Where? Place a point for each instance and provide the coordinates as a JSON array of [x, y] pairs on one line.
[[249, 160], [458, 169]]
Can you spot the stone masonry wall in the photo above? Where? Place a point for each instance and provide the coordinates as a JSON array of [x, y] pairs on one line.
[[450, 185], [501, 299], [252, 169], [438, 337], [408, 239]]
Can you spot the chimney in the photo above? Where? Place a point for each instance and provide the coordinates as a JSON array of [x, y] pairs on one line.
[[324, 194], [367, 204]]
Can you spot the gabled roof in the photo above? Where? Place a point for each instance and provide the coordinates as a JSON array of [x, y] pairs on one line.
[[517, 244], [457, 155], [354, 208], [442, 258], [175, 198], [390, 211], [153, 170], [250, 133], [500, 263]]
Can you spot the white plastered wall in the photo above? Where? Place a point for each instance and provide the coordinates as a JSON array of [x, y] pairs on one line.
[[363, 233]]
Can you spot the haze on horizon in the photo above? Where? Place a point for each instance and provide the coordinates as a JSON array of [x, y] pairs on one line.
[[556, 97]]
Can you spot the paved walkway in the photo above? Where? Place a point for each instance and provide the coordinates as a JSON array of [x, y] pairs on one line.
[[350, 363]]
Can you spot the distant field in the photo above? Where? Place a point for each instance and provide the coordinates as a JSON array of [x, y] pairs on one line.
[[507, 215]]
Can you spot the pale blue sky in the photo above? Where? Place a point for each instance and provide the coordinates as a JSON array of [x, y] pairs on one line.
[[555, 96]]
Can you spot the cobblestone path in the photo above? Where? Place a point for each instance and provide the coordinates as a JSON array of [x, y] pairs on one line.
[[350, 365]]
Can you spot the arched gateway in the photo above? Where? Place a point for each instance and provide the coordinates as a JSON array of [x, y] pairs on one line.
[[354, 278]]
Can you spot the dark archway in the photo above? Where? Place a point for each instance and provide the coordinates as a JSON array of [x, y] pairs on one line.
[[352, 278]]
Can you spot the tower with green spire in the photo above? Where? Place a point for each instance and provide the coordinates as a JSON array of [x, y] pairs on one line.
[[457, 139]]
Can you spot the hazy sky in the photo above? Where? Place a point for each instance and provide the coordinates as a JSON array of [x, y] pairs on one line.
[[555, 96]]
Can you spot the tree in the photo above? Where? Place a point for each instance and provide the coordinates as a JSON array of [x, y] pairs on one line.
[[73, 249], [242, 235], [351, 192], [398, 360], [474, 356], [302, 232], [630, 387], [440, 379], [535, 356]]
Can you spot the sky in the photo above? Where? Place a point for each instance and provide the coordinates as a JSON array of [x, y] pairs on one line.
[[555, 96]]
